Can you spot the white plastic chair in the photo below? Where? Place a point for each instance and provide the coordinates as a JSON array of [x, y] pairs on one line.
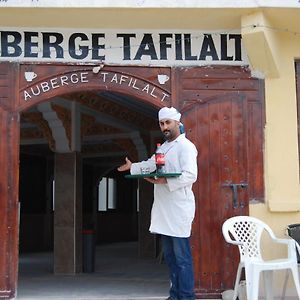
[[293, 230], [246, 233]]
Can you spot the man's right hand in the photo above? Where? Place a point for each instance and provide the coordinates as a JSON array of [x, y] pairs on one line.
[[126, 166]]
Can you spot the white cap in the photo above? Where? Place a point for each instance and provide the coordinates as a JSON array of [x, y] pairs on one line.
[[169, 113]]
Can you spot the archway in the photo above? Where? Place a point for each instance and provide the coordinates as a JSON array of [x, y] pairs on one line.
[[122, 120], [114, 232], [52, 80]]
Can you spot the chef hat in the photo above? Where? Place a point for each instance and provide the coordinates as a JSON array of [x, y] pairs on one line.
[[169, 113]]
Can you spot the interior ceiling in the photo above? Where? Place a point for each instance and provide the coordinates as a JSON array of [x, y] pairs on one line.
[[112, 126]]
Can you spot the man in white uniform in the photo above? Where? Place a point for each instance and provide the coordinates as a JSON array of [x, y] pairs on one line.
[[174, 203]]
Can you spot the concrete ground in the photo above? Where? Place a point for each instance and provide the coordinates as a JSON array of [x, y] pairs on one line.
[[119, 275]]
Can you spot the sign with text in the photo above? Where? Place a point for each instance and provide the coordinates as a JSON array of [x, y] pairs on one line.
[[123, 47], [104, 80]]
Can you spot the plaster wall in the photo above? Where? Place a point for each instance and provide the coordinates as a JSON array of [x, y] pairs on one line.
[[282, 190], [272, 45]]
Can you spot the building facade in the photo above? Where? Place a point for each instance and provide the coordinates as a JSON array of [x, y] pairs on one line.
[[84, 82]]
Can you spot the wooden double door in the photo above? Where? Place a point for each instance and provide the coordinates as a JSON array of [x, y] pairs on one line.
[[223, 113]]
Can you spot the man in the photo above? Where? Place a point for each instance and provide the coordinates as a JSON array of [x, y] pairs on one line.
[[174, 204]]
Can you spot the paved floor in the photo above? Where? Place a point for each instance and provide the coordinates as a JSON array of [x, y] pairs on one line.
[[119, 275]]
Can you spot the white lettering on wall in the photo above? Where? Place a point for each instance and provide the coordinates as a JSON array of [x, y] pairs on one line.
[[104, 78]]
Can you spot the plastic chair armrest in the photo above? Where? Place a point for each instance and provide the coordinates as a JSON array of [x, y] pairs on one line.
[[292, 245], [239, 243], [236, 243], [283, 241], [228, 238]]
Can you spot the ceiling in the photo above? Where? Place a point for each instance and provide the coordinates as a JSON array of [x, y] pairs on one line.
[[104, 126]]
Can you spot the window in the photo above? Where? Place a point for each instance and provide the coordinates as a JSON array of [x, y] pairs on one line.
[[107, 189]]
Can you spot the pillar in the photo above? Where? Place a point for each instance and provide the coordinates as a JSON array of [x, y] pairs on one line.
[[68, 213], [147, 240], [9, 204]]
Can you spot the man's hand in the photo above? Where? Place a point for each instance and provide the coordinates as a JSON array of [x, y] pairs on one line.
[[159, 180], [126, 166]]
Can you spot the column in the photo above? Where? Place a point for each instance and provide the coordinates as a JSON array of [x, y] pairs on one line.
[[147, 241], [68, 213]]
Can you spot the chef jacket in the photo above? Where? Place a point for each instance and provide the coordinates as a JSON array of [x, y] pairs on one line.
[[173, 208]]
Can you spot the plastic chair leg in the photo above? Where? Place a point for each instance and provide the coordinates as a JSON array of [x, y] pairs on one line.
[[237, 281], [254, 284], [249, 281], [285, 284], [268, 282], [296, 280]]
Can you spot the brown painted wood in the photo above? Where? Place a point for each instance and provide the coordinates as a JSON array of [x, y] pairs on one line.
[[223, 111], [224, 116], [9, 176]]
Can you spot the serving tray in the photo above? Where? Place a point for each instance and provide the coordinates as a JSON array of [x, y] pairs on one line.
[[153, 175]]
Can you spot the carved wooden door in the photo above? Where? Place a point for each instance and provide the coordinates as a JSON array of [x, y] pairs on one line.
[[221, 136], [223, 112]]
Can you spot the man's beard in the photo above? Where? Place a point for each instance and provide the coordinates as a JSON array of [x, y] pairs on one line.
[[167, 135]]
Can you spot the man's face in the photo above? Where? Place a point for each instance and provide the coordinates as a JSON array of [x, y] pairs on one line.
[[170, 129]]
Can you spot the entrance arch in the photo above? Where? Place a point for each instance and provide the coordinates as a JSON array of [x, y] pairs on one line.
[[84, 85], [48, 81], [183, 86]]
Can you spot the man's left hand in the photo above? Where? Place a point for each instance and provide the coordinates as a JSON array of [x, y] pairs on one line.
[[159, 180]]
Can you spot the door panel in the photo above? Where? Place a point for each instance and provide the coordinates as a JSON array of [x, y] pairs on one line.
[[9, 176], [221, 139], [223, 112]]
